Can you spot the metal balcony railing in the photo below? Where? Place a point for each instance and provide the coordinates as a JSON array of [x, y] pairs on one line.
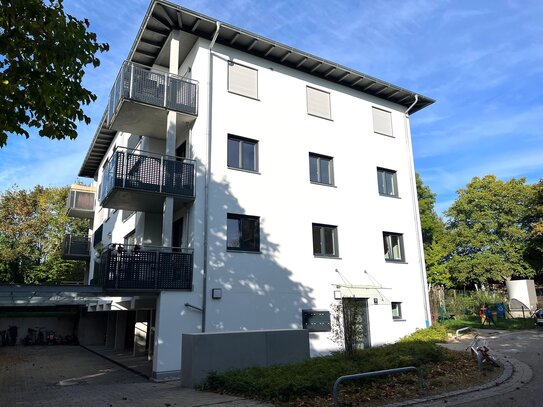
[[145, 85], [149, 268], [147, 172], [76, 247]]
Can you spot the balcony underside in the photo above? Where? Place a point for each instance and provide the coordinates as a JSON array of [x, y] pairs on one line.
[[142, 119], [80, 213], [141, 201]]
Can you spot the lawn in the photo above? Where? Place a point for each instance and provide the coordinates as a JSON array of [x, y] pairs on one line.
[[475, 322], [310, 383]]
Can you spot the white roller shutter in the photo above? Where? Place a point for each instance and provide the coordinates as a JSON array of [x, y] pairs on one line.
[[382, 122], [243, 80], [318, 103]]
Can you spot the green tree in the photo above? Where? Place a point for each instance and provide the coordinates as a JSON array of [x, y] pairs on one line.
[[43, 53], [534, 251], [32, 230], [489, 232], [434, 236]]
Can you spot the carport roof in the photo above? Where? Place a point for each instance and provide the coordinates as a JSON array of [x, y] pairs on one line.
[[44, 295]]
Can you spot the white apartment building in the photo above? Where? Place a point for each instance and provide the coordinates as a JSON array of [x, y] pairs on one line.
[[246, 185]]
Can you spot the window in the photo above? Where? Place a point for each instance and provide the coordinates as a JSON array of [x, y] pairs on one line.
[[325, 240], [243, 233], [320, 169], [318, 103], [242, 153], [386, 179], [382, 122], [127, 214], [396, 310], [242, 80], [393, 244]]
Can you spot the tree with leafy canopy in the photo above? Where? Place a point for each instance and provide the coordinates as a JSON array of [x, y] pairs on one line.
[[43, 53], [32, 230], [489, 232], [534, 251], [434, 236]]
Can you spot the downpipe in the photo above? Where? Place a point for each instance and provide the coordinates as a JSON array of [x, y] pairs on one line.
[[416, 215]]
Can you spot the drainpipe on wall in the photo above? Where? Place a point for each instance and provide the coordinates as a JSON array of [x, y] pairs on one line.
[[416, 215], [208, 173]]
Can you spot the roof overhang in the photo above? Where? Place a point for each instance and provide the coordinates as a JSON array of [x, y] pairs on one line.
[[162, 17]]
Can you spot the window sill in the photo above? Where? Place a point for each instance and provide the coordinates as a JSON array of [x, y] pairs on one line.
[[320, 117], [245, 96], [383, 134], [244, 170], [390, 196], [399, 319], [323, 184], [243, 251], [317, 256], [396, 261]]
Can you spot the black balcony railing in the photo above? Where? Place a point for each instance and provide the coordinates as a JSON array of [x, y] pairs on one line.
[[76, 247], [131, 268], [147, 172], [142, 84]]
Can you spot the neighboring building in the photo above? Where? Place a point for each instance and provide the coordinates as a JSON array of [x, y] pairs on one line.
[[251, 186]]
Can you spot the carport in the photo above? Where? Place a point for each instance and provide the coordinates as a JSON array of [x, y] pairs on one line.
[[116, 327]]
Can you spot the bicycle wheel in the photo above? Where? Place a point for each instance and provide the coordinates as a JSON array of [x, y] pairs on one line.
[[494, 360]]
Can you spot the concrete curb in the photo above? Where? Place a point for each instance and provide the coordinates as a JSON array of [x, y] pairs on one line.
[[514, 375]]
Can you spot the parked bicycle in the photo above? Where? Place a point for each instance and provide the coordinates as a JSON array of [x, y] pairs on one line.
[[480, 345]]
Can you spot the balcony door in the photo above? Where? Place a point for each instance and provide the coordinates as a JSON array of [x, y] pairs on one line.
[[177, 234]]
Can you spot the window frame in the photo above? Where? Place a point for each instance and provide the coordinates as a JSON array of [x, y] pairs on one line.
[[330, 160], [232, 63], [390, 120], [322, 240], [398, 317], [242, 246], [387, 242], [242, 141], [393, 173]]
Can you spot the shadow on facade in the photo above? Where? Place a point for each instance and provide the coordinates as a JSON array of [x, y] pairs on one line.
[[258, 292]]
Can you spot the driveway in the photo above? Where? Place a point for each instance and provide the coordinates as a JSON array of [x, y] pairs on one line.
[[527, 347], [53, 376]]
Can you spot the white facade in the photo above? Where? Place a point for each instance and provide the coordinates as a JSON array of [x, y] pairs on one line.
[[269, 288]]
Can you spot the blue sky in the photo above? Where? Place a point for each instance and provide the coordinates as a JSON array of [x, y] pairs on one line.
[[482, 61]]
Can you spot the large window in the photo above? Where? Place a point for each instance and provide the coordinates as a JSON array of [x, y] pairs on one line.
[[396, 310], [318, 103], [382, 122], [387, 181], [242, 80], [243, 233], [320, 169], [242, 153], [393, 245], [325, 240]]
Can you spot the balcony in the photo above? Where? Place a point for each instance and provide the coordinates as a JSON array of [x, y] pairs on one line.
[[76, 248], [132, 268], [141, 98], [80, 202], [138, 181]]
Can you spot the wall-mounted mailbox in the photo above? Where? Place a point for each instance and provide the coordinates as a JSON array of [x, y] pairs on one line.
[[315, 320]]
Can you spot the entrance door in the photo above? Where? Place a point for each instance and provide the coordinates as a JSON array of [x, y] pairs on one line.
[[356, 321]]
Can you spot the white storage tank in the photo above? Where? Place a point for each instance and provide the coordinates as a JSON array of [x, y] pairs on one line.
[[521, 292]]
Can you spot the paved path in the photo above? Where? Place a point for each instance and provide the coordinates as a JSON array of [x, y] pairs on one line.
[[521, 385], [57, 376]]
